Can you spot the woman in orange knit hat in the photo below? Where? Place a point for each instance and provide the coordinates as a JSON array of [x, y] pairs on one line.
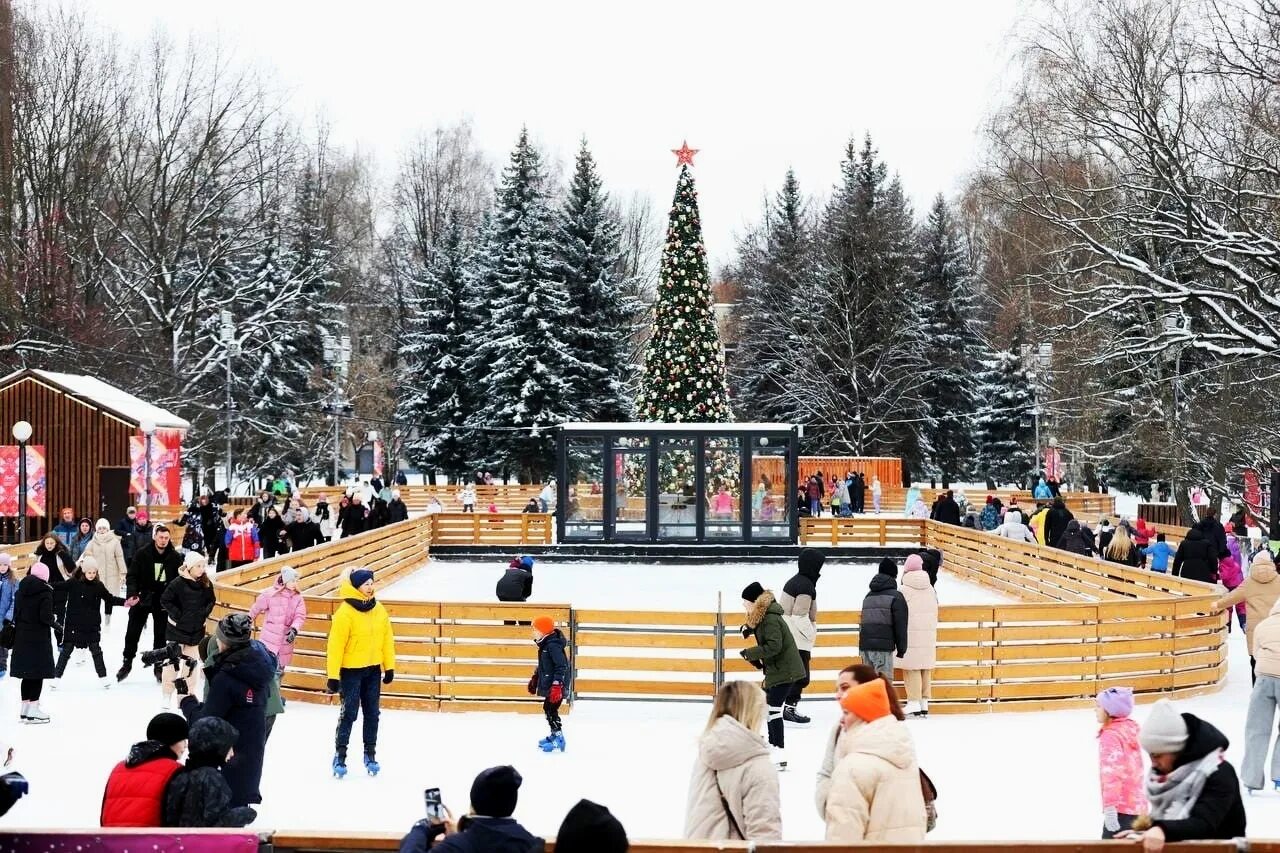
[[875, 790], [550, 679]]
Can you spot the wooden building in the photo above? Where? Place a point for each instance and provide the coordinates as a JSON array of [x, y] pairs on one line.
[[84, 425]]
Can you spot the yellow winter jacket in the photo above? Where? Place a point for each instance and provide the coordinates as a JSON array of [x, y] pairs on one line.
[[361, 633]]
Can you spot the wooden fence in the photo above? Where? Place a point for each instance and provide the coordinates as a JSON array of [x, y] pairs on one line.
[[1083, 625], [1089, 505], [861, 530], [507, 498], [492, 528]]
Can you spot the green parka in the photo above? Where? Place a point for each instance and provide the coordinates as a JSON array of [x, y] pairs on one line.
[[775, 647]]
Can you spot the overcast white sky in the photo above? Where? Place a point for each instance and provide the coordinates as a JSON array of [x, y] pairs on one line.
[[757, 86]]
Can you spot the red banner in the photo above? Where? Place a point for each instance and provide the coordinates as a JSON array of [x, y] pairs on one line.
[[1252, 492], [1053, 464], [166, 465], [378, 455], [37, 481], [109, 841]]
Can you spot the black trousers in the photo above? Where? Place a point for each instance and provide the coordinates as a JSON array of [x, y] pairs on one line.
[[793, 697], [552, 710], [133, 633], [68, 648], [775, 697], [31, 689]]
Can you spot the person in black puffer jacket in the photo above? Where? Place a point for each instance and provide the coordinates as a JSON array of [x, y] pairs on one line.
[[397, 511], [303, 531], [83, 628], [516, 583], [187, 602], [1215, 534], [799, 602], [1056, 521], [1196, 558], [1076, 539], [55, 555], [932, 560], [884, 621], [199, 796]]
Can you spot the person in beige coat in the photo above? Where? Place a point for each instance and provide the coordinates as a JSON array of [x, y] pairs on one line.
[[734, 790], [875, 789], [1259, 592], [105, 549], [922, 636]]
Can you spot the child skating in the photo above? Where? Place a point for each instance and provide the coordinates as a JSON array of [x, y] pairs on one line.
[[1121, 769], [551, 679], [85, 596]]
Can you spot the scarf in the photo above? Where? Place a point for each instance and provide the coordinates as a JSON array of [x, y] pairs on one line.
[[1173, 796]]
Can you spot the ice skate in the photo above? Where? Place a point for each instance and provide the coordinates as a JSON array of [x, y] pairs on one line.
[[791, 717], [546, 744], [339, 766], [553, 742], [35, 714], [124, 671], [105, 682], [371, 764], [779, 757]]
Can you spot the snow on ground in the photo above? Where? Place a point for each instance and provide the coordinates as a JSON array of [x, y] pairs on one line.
[[1000, 776], [657, 586]]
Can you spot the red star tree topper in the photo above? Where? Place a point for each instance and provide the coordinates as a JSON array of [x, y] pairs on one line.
[[684, 154]]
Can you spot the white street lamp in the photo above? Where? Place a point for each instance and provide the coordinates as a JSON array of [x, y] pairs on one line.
[[22, 434]]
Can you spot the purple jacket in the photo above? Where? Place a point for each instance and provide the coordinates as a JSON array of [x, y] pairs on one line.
[[285, 609]]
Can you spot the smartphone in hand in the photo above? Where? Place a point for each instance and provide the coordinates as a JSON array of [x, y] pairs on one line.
[[435, 808]]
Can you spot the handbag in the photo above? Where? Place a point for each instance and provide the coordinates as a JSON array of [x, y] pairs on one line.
[[930, 793], [8, 634], [728, 812]]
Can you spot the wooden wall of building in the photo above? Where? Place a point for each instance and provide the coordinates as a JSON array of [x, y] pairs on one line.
[[78, 439]]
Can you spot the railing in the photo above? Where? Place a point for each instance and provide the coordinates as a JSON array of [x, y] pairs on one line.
[[1085, 625], [861, 530], [1090, 505], [492, 528], [305, 841], [507, 498]]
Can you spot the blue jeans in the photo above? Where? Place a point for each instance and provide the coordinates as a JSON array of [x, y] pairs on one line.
[[360, 691]]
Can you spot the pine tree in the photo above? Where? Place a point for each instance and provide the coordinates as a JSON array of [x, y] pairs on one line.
[[683, 377], [436, 396], [1003, 430], [946, 299], [589, 251], [524, 357], [863, 391], [775, 271]]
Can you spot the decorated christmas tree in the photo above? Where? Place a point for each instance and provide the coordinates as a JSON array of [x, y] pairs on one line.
[[683, 378]]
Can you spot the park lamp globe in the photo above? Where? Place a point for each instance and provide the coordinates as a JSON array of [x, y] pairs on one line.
[[22, 432], [147, 427]]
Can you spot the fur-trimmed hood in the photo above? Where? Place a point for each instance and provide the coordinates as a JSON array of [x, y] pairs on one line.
[[761, 607]]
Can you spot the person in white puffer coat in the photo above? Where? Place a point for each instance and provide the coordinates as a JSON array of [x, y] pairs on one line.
[[1014, 528], [733, 794], [922, 635]]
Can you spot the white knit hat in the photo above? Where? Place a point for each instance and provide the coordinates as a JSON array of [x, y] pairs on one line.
[[1164, 732]]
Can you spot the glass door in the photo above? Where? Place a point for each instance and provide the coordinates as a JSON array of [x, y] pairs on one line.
[[630, 509]]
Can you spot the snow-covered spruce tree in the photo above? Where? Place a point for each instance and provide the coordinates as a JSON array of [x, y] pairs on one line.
[[1003, 431], [775, 270], [588, 255], [946, 299], [683, 377], [866, 353], [524, 361], [436, 396]]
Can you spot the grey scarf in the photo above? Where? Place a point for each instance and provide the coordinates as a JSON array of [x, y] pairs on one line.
[[1173, 796]]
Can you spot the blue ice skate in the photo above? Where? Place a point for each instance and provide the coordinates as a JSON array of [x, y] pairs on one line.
[[371, 765], [339, 766], [554, 742]]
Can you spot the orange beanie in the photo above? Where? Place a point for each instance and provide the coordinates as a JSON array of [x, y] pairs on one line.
[[868, 702], [544, 624]]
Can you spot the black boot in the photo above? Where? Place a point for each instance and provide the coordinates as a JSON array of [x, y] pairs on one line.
[[159, 669], [124, 671]]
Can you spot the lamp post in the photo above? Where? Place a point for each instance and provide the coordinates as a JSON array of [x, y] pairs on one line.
[[149, 430], [233, 349], [1037, 360], [22, 434]]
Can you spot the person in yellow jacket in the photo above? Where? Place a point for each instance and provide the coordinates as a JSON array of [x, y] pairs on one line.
[[1037, 523], [361, 648]]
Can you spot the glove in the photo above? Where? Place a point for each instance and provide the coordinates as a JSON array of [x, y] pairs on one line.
[[556, 693], [180, 685], [533, 683], [388, 676], [333, 685], [291, 635], [1110, 819], [746, 631]]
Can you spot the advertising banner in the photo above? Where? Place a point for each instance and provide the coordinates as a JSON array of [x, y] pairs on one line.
[[107, 841], [37, 481], [166, 465]]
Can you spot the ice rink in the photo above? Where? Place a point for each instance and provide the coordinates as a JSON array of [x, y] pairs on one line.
[[1000, 776]]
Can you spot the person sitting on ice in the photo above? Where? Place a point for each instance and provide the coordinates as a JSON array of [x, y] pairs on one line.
[[200, 796], [489, 828], [135, 792], [1192, 789]]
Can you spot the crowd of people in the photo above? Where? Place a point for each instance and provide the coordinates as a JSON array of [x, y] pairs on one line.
[[845, 496]]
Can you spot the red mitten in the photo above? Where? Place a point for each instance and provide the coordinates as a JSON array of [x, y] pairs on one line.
[[556, 694], [533, 683]]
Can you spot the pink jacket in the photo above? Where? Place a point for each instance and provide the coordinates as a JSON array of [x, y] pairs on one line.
[[285, 609], [1231, 575], [1120, 767]]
